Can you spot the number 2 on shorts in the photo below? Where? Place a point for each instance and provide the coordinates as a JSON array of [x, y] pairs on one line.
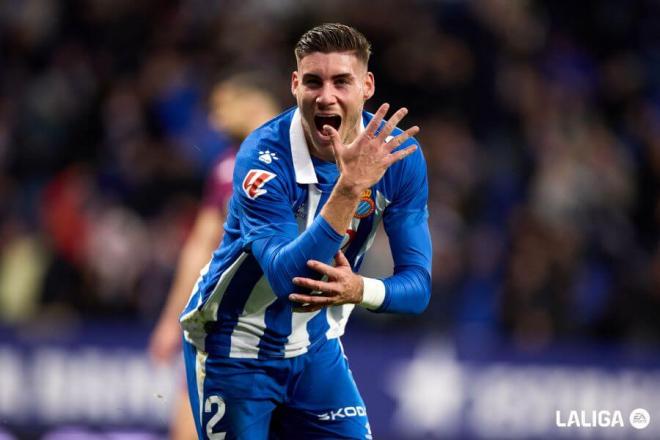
[[219, 413]]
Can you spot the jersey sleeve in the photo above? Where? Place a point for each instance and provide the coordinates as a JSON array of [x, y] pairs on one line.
[[409, 206], [265, 193], [406, 225]]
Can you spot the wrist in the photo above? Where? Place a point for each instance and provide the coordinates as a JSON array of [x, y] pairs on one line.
[[373, 293], [347, 189]]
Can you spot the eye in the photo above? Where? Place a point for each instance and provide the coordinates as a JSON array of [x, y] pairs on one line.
[[342, 81], [312, 82]]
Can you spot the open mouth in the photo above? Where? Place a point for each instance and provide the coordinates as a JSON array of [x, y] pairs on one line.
[[332, 120]]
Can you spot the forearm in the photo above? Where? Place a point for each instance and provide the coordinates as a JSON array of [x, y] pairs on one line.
[[341, 205], [407, 291], [282, 259]]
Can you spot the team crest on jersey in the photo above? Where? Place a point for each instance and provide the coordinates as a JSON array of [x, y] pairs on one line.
[[366, 207], [254, 181]]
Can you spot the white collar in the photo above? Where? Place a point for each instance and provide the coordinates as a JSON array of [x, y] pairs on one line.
[[302, 161]]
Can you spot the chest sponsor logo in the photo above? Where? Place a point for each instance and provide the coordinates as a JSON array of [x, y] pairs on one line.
[[366, 206], [254, 182]]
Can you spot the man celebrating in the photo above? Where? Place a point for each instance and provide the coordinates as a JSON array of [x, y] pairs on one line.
[[261, 328]]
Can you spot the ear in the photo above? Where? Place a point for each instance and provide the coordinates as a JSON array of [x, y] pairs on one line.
[[295, 81], [369, 86]]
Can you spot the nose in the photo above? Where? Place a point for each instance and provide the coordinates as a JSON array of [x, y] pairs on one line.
[[326, 96]]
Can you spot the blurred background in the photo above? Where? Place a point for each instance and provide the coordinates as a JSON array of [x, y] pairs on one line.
[[541, 129]]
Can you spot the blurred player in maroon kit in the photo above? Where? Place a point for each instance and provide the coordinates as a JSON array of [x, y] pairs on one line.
[[238, 105]]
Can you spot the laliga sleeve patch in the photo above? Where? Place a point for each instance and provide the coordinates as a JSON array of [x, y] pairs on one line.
[[254, 181]]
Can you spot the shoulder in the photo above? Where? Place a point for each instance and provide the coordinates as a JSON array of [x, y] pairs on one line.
[[266, 152]]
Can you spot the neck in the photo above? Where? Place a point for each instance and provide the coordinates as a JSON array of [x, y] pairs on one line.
[[324, 154]]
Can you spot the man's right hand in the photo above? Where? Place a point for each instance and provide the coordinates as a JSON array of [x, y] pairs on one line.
[[364, 162]]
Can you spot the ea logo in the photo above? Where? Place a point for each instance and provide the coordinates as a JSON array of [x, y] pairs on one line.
[[640, 418]]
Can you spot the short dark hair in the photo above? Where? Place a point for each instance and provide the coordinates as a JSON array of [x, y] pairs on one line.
[[333, 37]]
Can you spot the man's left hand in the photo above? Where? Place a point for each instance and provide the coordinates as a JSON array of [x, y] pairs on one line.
[[342, 287]]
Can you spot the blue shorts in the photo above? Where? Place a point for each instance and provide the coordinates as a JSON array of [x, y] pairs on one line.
[[311, 396]]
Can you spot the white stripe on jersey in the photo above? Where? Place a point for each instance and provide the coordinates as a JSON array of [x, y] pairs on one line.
[[251, 323], [298, 341], [337, 317], [200, 374], [193, 321], [202, 272], [196, 332], [313, 199]]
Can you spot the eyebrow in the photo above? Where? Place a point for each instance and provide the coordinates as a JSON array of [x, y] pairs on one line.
[[309, 76]]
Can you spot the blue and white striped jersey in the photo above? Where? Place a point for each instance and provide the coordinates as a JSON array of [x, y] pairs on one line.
[[279, 190]]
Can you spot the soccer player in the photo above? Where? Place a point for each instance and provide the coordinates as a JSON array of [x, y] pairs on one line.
[[238, 105], [262, 326]]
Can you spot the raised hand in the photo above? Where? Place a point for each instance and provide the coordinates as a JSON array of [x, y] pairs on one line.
[[363, 162]]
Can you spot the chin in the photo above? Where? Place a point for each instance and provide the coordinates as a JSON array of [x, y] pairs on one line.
[[323, 150], [322, 146]]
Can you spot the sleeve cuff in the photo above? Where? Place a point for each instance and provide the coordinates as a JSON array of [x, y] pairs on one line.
[[373, 293]]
